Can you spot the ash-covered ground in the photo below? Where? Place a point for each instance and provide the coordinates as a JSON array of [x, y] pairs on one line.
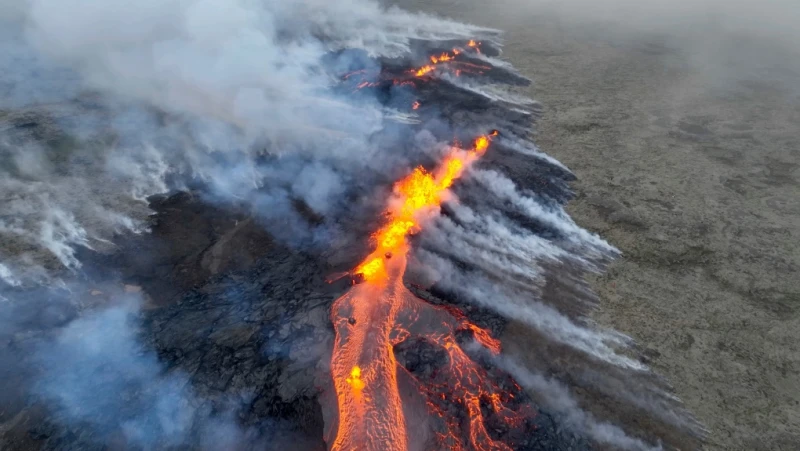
[[183, 190]]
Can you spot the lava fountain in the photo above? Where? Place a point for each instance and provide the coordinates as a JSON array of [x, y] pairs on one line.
[[380, 312]]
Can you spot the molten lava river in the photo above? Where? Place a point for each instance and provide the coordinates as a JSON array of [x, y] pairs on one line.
[[459, 398]]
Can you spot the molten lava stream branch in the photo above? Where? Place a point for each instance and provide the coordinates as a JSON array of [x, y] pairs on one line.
[[367, 324], [364, 367], [452, 61]]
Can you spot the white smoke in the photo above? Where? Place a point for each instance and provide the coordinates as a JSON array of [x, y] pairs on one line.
[[97, 372], [493, 246], [521, 307], [139, 92], [555, 217], [492, 92], [557, 399], [256, 65], [8, 277], [528, 148], [48, 211], [220, 60], [145, 171]]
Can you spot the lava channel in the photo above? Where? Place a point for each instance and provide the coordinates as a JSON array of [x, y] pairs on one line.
[[380, 312]]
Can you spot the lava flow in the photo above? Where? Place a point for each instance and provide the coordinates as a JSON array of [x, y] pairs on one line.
[[450, 57], [380, 312], [453, 60]]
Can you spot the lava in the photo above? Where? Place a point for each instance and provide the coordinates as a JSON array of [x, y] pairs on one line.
[[415, 196], [449, 60], [381, 312], [450, 57]]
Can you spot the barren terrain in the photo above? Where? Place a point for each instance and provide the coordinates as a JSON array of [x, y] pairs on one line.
[[687, 161]]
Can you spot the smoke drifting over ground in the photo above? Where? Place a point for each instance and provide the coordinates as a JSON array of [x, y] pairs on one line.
[[247, 105], [97, 371], [198, 89]]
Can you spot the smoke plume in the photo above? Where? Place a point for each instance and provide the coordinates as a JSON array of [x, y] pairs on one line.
[[241, 96]]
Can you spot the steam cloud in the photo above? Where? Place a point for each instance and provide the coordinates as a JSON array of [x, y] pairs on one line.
[[203, 89], [98, 372]]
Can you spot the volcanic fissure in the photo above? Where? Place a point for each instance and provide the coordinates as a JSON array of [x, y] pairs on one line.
[[379, 312]]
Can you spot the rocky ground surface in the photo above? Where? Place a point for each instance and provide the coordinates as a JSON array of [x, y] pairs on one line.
[[691, 170]]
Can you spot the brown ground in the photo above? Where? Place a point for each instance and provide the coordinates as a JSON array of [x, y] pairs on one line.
[[695, 179]]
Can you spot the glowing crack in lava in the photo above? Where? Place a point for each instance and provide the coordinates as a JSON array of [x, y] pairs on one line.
[[450, 57], [452, 61], [377, 314]]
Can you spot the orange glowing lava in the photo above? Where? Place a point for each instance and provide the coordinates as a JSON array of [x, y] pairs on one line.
[[450, 58], [374, 316], [447, 61], [415, 195], [444, 57]]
